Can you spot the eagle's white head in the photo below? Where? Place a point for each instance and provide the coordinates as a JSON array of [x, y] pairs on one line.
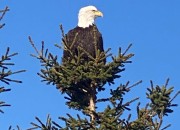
[[87, 16]]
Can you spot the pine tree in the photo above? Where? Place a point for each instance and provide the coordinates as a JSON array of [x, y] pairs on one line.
[[5, 63], [82, 81]]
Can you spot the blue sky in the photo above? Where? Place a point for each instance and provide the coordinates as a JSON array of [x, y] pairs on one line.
[[152, 26]]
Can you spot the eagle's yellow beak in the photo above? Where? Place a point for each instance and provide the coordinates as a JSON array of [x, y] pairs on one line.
[[98, 13]]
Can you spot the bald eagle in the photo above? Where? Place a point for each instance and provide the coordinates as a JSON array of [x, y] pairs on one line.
[[85, 36]]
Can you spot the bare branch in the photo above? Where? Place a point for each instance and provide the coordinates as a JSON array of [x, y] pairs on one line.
[[3, 14]]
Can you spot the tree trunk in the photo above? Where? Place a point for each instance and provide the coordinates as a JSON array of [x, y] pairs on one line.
[[92, 101]]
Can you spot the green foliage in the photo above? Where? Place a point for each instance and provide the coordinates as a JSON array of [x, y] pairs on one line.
[[2, 103], [5, 63], [5, 73], [81, 81], [49, 125], [160, 99], [110, 118], [76, 79], [105, 120], [151, 117]]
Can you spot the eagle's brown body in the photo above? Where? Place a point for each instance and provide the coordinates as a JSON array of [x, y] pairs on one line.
[[89, 39]]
